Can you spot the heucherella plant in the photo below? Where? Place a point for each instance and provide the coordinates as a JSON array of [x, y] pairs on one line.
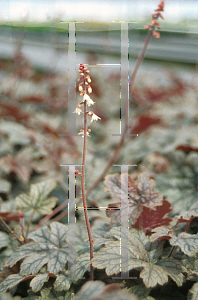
[[85, 89]]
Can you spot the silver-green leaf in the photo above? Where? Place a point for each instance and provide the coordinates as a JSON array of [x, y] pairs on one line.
[[49, 247], [142, 253], [38, 281], [37, 199], [187, 242], [62, 283], [81, 266], [4, 238], [10, 282]]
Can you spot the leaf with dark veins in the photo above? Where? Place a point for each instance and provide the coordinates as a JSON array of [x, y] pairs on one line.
[[49, 247], [38, 281], [142, 253], [187, 242], [10, 282], [140, 194]]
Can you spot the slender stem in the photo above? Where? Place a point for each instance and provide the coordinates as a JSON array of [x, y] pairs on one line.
[[171, 252], [7, 228], [28, 227], [141, 56], [188, 223], [22, 229], [83, 190]]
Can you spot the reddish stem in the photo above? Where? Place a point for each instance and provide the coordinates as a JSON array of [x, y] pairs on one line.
[[83, 190]]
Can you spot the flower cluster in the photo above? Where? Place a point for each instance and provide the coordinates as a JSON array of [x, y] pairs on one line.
[[85, 89], [155, 15]]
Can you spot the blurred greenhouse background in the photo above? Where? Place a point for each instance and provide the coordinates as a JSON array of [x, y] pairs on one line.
[[34, 25]]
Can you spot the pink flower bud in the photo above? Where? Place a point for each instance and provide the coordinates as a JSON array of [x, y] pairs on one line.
[[20, 215]]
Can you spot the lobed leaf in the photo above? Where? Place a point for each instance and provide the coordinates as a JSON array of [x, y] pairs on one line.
[[193, 211], [49, 247], [10, 282], [179, 184], [161, 232], [109, 258], [136, 241], [152, 275], [81, 266], [159, 217], [38, 281], [173, 268], [191, 264], [62, 283], [187, 242], [142, 253], [37, 199], [4, 238], [139, 194]]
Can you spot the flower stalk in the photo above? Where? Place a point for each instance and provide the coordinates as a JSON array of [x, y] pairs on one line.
[[85, 88]]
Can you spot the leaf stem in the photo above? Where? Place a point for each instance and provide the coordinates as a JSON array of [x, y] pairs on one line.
[[188, 223], [7, 228], [83, 189], [55, 211], [171, 252], [28, 226]]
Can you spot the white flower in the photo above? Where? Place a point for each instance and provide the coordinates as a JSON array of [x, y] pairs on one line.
[[77, 111], [86, 97], [82, 132], [89, 100], [95, 118]]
